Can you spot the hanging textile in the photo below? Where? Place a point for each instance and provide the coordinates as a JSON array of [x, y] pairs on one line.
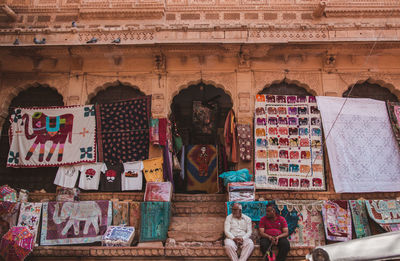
[[67, 176], [360, 218], [288, 147], [310, 230], [111, 178], [65, 223], [8, 215], [167, 163], [202, 168], [134, 218], [8, 194], [153, 170], [245, 144], [154, 222], [120, 214], [154, 130], [385, 212], [52, 136], [230, 135], [337, 220], [253, 209], [394, 116], [16, 244], [29, 216], [158, 191], [123, 130], [360, 145]]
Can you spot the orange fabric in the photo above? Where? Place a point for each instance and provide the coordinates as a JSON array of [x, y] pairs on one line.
[[230, 134]]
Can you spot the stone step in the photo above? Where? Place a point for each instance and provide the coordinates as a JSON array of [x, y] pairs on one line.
[[212, 209]]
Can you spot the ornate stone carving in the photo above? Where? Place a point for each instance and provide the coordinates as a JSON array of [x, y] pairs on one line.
[[158, 103], [244, 101]]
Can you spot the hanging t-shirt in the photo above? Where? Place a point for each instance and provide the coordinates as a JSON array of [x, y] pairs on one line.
[[90, 176], [66, 176], [132, 178], [153, 170], [110, 178]]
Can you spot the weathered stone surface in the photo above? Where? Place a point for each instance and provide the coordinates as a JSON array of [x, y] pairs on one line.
[[196, 228]]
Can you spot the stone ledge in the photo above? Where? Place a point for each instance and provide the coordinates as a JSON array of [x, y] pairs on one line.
[[91, 251]]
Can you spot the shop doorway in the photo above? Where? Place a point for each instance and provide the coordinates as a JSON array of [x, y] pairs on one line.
[[198, 113]]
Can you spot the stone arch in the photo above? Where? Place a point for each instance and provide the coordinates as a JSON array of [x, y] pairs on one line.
[[288, 87], [128, 90], [182, 101], [372, 88], [10, 93], [28, 178], [222, 81]]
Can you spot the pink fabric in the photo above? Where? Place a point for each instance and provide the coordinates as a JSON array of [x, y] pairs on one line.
[[273, 228]]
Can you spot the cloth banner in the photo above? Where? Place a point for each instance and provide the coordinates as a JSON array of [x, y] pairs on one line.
[[123, 130], [310, 230], [385, 212], [360, 145], [244, 140], [394, 116], [52, 136], [134, 218], [120, 215], [202, 168], [337, 220], [16, 244], [65, 223], [360, 218], [154, 222], [288, 147], [253, 209], [29, 217]]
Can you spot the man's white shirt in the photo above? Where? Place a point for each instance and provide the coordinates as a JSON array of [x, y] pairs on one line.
[[238, 227]]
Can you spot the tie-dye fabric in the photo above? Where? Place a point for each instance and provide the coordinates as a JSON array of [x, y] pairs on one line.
[[360, 218], [120, 215]]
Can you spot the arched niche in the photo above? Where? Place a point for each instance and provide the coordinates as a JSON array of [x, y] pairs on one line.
[[28, 178], [114, 93], [286, 88], [197, 97], [370, 90]]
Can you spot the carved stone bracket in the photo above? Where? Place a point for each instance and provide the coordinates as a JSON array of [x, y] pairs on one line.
[[158, 103], [244, 101]]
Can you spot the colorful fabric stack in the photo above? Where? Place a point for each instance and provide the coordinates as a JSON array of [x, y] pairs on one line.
[[360, 218], [385, 212], [154, 222], [202, 168], [394, 116], [123, 130], [337, 220], [253, 209], [8, 194], [29, 216], [245, 142], [16, 244], [310, 230], [288, 137], [120, 215], [241, 191], [37, 132], [360, 145], [80, 222], [118, 236]]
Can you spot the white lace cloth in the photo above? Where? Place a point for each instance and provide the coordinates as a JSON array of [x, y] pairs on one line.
[[362, 150]]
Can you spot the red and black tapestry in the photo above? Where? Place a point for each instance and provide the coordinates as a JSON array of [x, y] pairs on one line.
[[123, 130]]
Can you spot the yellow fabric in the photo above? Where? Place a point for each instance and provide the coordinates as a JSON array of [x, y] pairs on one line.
[[153, 170]]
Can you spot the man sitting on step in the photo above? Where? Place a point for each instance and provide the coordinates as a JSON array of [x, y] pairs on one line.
[[237, 231]]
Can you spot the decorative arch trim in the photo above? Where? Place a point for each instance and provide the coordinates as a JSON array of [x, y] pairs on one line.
[[110, 85], [382, 83], [290, 82]]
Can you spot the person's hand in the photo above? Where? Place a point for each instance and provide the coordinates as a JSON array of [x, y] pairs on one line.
[[275, 240], [238, 241]]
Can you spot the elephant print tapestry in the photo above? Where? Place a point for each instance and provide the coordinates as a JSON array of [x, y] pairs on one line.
[[79, 222], [202, 168], [52, 136], [123, 130], [385, 212], [394, 116], [337, 220], [288, 143]]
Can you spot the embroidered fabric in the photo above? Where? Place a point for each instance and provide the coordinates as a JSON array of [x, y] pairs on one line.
[[360, 145]]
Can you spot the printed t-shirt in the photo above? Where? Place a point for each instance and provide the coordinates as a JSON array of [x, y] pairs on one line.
[[132, 178], [66, 176], [153, 170], [90, 176], [273, 228], [110, 178]]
